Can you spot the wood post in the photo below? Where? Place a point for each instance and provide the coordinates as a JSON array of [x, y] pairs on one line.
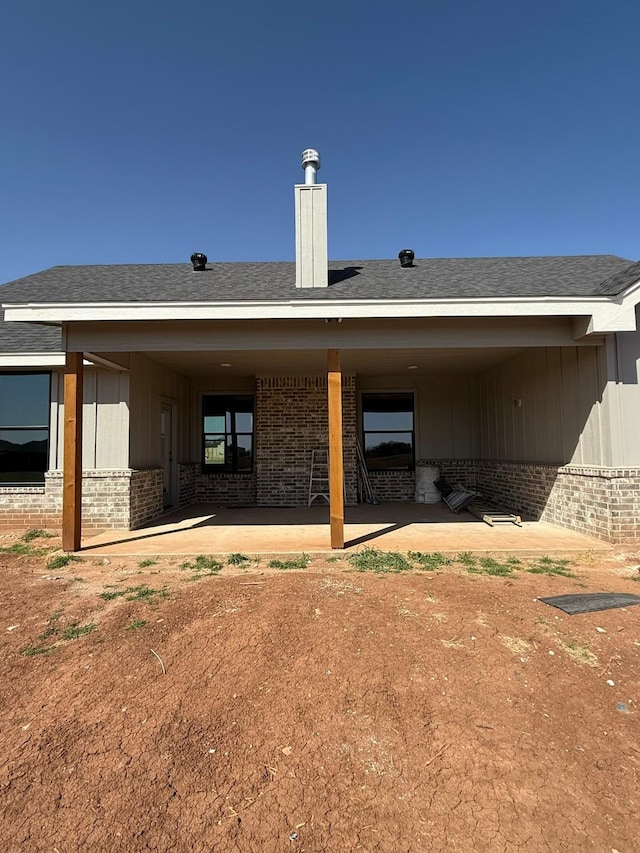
[[336, 462], [72, 460]]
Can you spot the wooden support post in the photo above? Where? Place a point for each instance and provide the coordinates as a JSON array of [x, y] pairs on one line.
[[336, 463], [72, 462]]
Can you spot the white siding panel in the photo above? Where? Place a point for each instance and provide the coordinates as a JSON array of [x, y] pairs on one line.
[[149, 383], [112, 420], [559, 418], [623, 396]]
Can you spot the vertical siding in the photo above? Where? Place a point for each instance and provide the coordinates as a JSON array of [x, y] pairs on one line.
[[149, 383], [623, 396], [105, 420], [445, 418], [559, 419], [112, 420]]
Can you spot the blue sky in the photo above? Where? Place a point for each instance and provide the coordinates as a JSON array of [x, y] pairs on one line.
[[140, 132]]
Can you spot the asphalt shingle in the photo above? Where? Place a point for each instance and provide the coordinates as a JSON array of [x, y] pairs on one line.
[[28, 337], [464, 278]]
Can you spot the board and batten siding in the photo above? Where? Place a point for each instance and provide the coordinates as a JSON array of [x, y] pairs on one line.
[[546, 406], [105, 420], [150, 385], [445, 418], [623, 396]]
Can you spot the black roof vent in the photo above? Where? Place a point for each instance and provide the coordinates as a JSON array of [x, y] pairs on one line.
[[406, 257], [199, 261]]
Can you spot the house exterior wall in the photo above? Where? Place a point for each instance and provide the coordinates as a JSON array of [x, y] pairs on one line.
[[151, 384], [105, 420], [545, 406], [291, 421], [445, 421], [113, 499], [623, 396], [598, 501], [568, 452]]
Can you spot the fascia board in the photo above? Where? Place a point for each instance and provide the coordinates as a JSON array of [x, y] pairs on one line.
[[303, 309], [28, 360], [632, 293]]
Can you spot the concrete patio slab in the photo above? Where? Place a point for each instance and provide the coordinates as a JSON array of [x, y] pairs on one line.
[[208, 529]]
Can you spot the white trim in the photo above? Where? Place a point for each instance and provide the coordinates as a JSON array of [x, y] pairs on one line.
[[37, 359], [608, 314], [32, 359], [101, 361]]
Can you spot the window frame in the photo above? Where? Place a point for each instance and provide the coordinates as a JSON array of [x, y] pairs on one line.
[[39, 483], [229, 466], [381, 392]]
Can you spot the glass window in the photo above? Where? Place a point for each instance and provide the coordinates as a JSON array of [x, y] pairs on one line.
[[388, 431], [227, 432], [24, 428]]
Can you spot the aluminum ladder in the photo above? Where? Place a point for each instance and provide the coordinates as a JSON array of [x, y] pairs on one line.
[[319, 475]]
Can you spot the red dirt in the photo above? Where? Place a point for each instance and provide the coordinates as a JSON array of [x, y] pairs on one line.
[[322, 710]]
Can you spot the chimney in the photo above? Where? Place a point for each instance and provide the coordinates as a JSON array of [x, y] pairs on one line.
[[311, 225]]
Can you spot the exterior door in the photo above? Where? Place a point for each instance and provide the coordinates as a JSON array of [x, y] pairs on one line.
[[166, 450]]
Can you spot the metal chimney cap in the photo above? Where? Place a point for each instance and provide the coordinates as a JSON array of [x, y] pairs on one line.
[[406, 257], [199, 261], [310, 157]]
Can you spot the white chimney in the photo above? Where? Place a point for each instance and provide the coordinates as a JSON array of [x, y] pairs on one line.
[[311, 226]]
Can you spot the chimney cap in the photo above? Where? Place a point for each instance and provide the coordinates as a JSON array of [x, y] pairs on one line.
[[199, 261], [406, 257], [310, 157]]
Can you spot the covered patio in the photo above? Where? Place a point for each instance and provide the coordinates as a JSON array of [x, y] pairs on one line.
[[480, 391], [401, 526]]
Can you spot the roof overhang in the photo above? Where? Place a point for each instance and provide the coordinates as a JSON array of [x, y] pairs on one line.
[[593, 315], [29, 360]]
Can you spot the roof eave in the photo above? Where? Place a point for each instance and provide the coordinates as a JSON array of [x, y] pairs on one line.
[[607, 314]]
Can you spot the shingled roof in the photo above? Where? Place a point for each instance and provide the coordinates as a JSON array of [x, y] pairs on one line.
[[462, 278], [28, 337]]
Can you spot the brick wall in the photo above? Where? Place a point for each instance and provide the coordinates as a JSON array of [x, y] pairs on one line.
[[291, 421], [187, 483], [26, 508], [226, 489], [393, 485], [601, 502], [145, 496], [457, 472], [110, 499], [624, 497]]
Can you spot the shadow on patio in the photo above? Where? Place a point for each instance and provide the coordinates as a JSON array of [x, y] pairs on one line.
[[210, 529]]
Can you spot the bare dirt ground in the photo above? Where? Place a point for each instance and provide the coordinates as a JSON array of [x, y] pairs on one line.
[[321, 709]]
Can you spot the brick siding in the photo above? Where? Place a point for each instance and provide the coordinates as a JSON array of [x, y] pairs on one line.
[[110, 499], [187, 472], [601, 502], [226, 489], [457, 472], [393, 485], [146, 496], [291, 421]]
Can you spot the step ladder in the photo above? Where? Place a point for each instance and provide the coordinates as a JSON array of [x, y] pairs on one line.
[[365, 489], [319, 475]]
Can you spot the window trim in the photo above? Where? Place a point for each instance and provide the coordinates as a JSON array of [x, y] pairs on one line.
[[38, 484], [223, 468], [412, 432]]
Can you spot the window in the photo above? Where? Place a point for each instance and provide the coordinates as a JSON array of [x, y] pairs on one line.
[[387, 431], [227, 428], [24, 428]]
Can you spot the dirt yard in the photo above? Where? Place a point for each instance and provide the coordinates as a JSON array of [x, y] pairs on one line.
[[160, 708]]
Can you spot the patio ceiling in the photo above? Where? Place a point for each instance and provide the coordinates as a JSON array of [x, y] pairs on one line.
[[392, 362]]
